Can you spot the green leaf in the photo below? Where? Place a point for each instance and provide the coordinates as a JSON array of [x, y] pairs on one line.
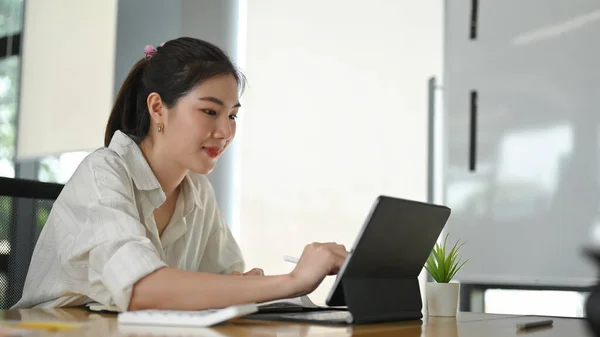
[[432, 268], [443, 265], [458, 268]]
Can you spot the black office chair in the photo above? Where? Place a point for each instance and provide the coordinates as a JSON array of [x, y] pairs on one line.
[[24, 208]]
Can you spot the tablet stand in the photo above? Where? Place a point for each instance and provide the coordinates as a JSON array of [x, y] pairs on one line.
[[371, 300]]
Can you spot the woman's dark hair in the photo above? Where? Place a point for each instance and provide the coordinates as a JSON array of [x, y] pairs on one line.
[[175, 69]]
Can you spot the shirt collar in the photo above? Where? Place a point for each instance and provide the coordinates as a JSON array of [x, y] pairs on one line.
[[140, 171], [191, 195], [143, 177]]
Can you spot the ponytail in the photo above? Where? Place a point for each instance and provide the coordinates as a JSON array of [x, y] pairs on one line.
[[125, 115]]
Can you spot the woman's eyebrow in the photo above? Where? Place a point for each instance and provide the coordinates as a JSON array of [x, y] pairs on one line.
[[218, 101]]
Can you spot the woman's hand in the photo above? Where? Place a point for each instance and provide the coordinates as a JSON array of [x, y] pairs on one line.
[[317, 261]]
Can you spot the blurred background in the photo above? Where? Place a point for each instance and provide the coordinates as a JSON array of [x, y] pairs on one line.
[[489, 107]]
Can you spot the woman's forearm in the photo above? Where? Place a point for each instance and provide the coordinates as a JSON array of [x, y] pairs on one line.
[[169, 288]]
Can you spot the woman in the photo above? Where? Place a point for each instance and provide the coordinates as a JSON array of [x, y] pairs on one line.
[[137, 225]]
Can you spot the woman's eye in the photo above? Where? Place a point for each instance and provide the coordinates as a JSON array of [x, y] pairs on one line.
[[210, 112], [234, 117]]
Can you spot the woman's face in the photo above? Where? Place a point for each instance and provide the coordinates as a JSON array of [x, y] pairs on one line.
[[202, 124]]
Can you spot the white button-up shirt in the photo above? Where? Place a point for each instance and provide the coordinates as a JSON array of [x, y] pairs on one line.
[[101, 237]]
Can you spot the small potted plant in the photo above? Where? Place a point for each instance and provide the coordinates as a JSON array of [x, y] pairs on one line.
[[442, 296]]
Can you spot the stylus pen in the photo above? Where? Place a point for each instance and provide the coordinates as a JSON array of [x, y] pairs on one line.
[[290, 259], [531, 325]]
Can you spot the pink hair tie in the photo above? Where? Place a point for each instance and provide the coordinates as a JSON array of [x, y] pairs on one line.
[[149, 50]]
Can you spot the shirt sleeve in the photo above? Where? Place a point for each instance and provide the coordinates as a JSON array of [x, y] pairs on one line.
[[223, 254], [112, 242]]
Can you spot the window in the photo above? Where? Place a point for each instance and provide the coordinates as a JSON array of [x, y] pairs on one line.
[[58, 169], [9, 78], [11, 14], [535, 302]]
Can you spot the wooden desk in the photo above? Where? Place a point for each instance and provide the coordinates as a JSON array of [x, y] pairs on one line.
[[464, 325]]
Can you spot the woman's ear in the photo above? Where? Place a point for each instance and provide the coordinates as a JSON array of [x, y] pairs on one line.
[[156, 108]]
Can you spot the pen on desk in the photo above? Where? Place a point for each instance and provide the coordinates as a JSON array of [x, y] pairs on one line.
[[290, 259], [45, 325], [531, 325]]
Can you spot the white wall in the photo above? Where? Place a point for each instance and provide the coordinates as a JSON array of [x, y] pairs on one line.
[[335, 114], [67, 75]]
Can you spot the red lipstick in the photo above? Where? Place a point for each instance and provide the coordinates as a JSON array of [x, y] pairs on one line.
[[213, 151]]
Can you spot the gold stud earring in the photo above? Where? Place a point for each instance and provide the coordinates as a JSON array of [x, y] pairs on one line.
[[160, 127]]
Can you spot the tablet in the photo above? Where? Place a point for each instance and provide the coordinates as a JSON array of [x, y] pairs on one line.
[[394, 242]]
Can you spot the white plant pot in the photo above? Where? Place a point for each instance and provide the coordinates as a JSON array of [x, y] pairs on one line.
[[442, 298]]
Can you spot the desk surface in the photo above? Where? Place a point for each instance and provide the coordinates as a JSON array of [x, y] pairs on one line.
[[464, 325]]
